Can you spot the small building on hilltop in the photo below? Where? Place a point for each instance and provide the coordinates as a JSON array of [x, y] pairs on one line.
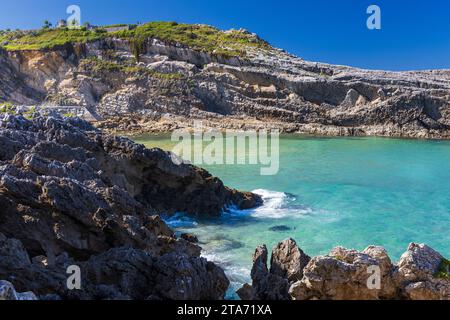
[[61, 24]]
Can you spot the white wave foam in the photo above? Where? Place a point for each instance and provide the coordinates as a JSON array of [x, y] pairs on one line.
[[272, 199], [276, 205], [180, 220]]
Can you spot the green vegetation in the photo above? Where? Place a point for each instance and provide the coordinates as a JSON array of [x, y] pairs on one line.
[[97, 65], [115, 25], [198, 37], [8, 108], [30, 113], [444, 270], [47, 38], [69, 115], [137, 45], [47, 24]]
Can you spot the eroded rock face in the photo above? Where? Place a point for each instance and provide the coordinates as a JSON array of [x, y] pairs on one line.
[[83, 191], [265, 285], [417, 270], [70, 194], [268, 86], [346, 274], [119, 273], [288, 260], [8, 292]]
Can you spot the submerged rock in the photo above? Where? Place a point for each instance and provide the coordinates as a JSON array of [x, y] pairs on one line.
[[279, 228]]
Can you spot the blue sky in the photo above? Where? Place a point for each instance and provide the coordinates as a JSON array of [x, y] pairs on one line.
[[415, 34]]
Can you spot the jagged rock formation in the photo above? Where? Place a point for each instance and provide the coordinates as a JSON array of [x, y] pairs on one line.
[[118, 273], [174, 84], [346, 274], [286, 266], [8, 292], [70, 194]]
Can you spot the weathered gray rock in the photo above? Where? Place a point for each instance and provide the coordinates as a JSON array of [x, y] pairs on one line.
[[265, 285], [179, 278], [288, 260], [119, 273], [346, 274], [417, 270], [8, 292], [71, 194], [84, 192], [245, 292], [419, 262]]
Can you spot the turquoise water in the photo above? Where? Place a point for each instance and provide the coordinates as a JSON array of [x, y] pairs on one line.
[[332, 191]]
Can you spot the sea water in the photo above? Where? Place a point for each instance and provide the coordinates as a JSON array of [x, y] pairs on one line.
[[350, 192]]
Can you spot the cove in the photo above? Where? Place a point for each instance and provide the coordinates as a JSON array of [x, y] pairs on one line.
[[352, 192]]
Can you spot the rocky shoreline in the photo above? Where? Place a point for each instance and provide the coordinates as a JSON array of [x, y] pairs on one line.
[[346, 274], [71, 195], [133, 125]]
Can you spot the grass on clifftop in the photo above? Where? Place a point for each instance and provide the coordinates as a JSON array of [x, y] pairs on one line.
[[198, 37], [47, 38]]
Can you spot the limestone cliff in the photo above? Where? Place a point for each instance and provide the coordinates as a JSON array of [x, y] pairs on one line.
[[173, 84]]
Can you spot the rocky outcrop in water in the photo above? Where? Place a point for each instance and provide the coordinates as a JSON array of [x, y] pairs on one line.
[[344, 274], [72, 195], [286, 266], [173, 85]]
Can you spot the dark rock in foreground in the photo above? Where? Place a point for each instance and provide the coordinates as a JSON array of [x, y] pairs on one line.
[[8, 292], [346, 274], [189, 237], [70, 194], [119, 273]]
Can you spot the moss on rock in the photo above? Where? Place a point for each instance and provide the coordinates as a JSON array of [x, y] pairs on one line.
[[444, 270]]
